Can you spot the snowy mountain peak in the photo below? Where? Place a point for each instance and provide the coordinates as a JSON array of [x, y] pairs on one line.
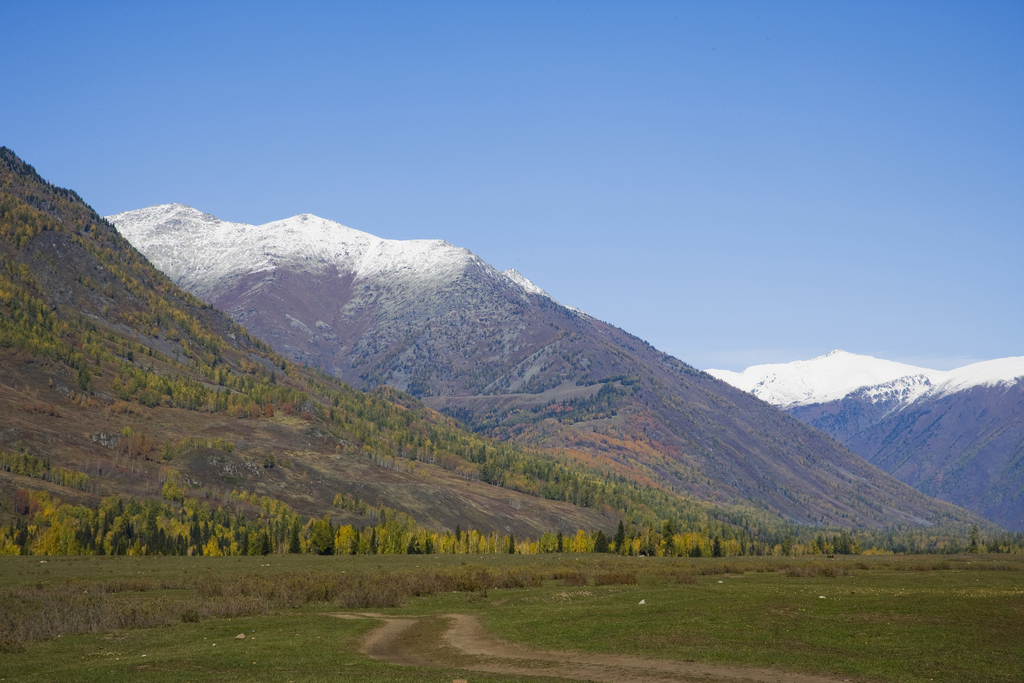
[[820, 379], [198, 250], [837, 374], [204, 254]]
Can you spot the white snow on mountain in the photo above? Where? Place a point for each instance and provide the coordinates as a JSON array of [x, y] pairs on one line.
[[198, 250], [987, 373], [838, 374], [824, 378], [520, 280]]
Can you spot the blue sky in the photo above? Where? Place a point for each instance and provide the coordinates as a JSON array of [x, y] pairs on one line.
[[736, 183]]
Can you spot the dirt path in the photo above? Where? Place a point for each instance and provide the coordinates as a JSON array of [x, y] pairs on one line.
[[465, 644]]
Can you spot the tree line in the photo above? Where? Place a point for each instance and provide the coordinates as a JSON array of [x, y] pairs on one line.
[[260, 525]]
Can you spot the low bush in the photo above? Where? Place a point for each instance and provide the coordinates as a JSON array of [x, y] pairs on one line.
[[720, 568], [813, 569], [573, 578], [615, 579]]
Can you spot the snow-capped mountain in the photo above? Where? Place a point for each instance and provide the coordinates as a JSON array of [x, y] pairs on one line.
[[838, 374], [820, 379], [334, 297], [201, 252], [495, 349], [957, 434]]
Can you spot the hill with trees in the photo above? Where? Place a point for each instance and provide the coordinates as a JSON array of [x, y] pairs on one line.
[[497, 352], [136, 417]]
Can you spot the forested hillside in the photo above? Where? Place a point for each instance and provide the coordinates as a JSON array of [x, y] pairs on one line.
[[496, 351], [116, 385]]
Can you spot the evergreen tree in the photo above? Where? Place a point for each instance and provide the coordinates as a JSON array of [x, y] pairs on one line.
[[561, 541], [668, 530], [620, 537], [600, 542], [511, 544], [267, 546], [294, 545]]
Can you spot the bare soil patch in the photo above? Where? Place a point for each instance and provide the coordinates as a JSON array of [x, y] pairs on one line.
[[460, 641]]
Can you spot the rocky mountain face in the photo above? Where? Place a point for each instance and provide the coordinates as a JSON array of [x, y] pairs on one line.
[[957, 435], [497, 351]]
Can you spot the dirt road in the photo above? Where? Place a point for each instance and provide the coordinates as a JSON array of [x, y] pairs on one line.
[[460, 641]]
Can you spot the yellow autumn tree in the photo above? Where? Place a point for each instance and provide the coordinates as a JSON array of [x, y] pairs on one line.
[[581, 542], [212, 548], [343, 539]]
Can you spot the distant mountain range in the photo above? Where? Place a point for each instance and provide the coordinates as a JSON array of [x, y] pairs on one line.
[[498, 352], [957, 435]]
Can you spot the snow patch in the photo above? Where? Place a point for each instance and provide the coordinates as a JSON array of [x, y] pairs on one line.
[[519, 280]]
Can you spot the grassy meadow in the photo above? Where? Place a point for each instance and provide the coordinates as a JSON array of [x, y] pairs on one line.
[[942, 618]]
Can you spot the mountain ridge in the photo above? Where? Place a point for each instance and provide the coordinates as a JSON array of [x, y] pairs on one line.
[[836, 374], [315, 243]]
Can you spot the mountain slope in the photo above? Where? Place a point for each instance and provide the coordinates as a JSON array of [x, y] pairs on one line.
[[957, 435], [115, 381], [497, 351]]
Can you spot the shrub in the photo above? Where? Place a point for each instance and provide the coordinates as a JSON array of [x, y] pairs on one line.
[[615, 579], [719, 568], [574, 579], [813, 569]]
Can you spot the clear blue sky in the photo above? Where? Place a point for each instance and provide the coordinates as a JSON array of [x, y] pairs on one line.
[[736, 183]]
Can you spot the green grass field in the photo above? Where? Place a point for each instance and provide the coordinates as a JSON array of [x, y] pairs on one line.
[[881, 619]]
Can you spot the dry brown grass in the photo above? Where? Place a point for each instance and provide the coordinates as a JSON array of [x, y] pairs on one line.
[[615, 579], [726, 568], [41, 611], [571, 577], [813, 569]]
